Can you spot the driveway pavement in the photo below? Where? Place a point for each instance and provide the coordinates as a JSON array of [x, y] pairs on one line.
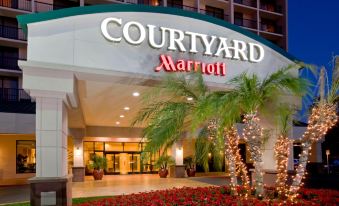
[[116, 185]]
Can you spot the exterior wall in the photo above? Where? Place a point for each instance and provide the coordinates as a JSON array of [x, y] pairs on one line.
[[8, 175], [17, 123]]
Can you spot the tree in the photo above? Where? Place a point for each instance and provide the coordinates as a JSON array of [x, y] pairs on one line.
[[253, 96], [323, 117], [282, 148], [168, 112]]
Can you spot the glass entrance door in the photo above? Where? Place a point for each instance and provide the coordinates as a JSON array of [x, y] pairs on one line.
[[113, 163], [134, 163]]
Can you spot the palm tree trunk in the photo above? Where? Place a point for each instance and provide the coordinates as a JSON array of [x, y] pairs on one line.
[[322, 118], [229, 137], [301, 169], [281, 153], [253, 136]]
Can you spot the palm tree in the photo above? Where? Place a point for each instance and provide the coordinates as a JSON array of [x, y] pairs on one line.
[[169, 110], [253, 96], [323, 116], [282, 148]]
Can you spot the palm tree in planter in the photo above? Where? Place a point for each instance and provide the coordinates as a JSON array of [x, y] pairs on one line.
[[163, 163], [255, 95], [99, 164], [189, 163]]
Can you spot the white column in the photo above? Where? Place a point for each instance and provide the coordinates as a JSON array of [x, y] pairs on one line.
[[33, 6], [82, 2], [165, 3], [51, 136], [231, 11], [178, 153], [78, 154], [197, 2]]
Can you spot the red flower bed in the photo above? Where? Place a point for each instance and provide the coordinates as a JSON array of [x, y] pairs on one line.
[[214, 196]]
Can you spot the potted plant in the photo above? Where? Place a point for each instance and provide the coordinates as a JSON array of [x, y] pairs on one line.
[[189, 166], [162, 164], [98, 165]]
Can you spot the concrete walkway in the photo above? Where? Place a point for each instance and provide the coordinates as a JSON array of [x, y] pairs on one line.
[[116, 185]]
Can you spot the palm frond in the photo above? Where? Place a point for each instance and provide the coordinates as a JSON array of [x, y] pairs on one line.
[[202, 149]]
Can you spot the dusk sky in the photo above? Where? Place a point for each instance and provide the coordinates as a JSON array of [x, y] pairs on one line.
[[313, 35]]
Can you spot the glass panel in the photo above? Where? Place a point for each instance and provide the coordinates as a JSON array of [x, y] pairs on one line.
[[135, 163], [88, 155], [132, 147], [110, 163], [100, 154], [99, 146], [117, 162], [25, 157], [113, 146], [88, 145]]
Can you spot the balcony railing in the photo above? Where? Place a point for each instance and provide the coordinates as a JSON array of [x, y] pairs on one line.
[[44, 7], [215, 14], [15, 100], [245, 23], [11, 32], [14, 95], [271, 7], [17, 4], [251, 3], [271, 28], [9, 63]]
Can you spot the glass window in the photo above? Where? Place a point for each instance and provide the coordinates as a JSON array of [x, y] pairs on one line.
[[25, 156], [132, 147], [113, 146], [99, 146], [89, 146]]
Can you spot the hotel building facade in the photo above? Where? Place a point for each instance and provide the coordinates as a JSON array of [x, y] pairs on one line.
[[81, 72]]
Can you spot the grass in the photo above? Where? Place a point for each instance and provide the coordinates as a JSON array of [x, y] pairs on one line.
[[74, 200]]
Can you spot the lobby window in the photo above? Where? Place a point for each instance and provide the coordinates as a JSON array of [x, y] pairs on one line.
[[215, 12], [25, 156]]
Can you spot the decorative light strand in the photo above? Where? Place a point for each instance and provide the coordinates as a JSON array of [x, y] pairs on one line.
[[282, 152], [236, 164], [323, 117], [253, 133]]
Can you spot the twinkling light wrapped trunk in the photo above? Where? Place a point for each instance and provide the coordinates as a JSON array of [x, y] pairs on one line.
[[236, 164], [282, 148], [252, 133], [322, 118]]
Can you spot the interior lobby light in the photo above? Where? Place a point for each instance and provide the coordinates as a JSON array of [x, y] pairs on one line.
[[136, 94], [117, 123], [189, 98], [126, 108], [122, 116]]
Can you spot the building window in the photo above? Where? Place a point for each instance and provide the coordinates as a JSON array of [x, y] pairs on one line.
[[215, 12], [25, 156]]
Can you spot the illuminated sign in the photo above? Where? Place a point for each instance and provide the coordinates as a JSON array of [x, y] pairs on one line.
[[168, 65], [135, 33]]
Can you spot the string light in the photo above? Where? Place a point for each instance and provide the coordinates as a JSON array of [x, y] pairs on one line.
[[323, 117], [236, 164], [281, 151], [253, 133]]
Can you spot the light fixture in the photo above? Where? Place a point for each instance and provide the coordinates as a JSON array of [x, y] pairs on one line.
[[136, 94], [126, 108], [117, 123], [122, 116], [189, 98]]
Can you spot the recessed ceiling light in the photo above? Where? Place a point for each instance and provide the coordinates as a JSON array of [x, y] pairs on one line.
[[136, 94], [189, 98], [117, 123], [122, 116], [126, 108]]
